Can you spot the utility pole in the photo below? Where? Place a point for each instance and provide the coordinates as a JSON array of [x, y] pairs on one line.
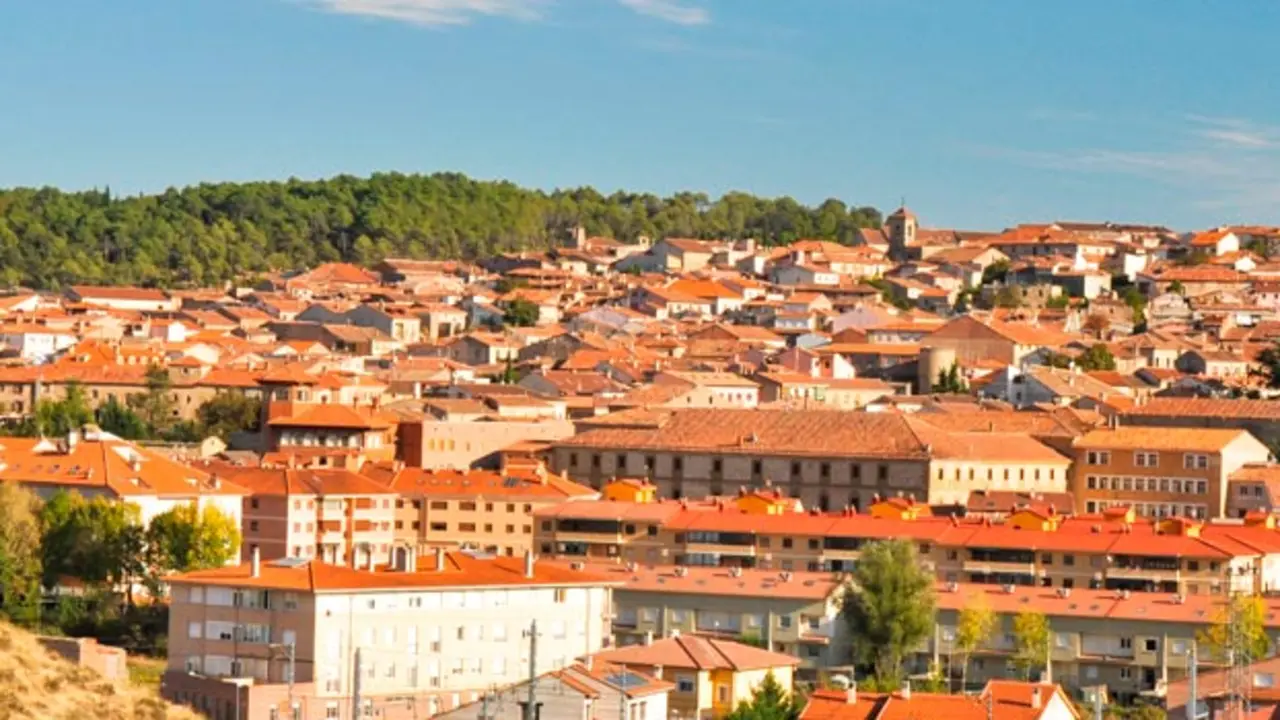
[[1193, 701], [357, 686], [530, 710]]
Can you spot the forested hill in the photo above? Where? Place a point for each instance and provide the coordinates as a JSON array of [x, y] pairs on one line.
[[205, 234]]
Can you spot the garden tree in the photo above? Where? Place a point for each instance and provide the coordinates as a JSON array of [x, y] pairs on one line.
[[995, 272], [1097, 323], [1097, 357], [769, 701], [950, 381], [209, 233], [97, 541], [1059, 302], [1009, 296], [974, 627], [230, 412], [117, 419], [19, 554], [156, 405], [1268, 363], [1030, 641], [1058, 360], [1177, 287], [889, 607], [1238, 631], [521, 313], [188, 538], [1137, 302]]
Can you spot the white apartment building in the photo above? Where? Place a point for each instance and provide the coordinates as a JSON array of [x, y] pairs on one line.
[[421, 639]]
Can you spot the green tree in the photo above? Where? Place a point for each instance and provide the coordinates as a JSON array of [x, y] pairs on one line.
[[1238, 630], [1031, 638], [974, 627], [1137, 303], [521, 313], [97, 541], [995, 272], [55, 418], [1268, 362], [116, 418], [769, 701], [186, 538], [951, 381], [230, 412], [1009, 296], [156, 405], [1060, 302], [1097, 357], [19, 554], [889, 608], [1177, 287]]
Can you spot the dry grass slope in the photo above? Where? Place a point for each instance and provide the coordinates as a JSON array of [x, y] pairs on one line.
[[38, 685]]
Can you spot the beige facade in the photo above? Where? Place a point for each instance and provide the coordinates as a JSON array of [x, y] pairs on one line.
[[1161, 472]]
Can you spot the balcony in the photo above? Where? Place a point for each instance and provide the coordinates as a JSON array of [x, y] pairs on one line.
[[992, 567], [589, 538], [1133, 572]]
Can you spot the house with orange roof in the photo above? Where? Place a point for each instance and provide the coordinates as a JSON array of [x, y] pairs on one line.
[[431, 633], [589, 689], [998, 700], [329, 429], [92, 463], [331, 278], [122, 298], [712, 676]]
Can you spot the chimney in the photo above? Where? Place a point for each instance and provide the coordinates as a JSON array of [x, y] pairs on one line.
[[255, 562], [439, 559], [906, 690], [528, 564], [1035, 698], [851, 695], [648, 637]]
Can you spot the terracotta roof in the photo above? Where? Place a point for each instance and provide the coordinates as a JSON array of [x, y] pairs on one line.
[[793, 432], [533, 484], [1162, 438], [693, 652], [286, 481], [119, 293], [749, 582], [461, 570], [1208, 408], [333, 416]]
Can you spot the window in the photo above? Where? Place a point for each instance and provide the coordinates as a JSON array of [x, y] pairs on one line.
[[1150, 644], [466, 527], [1126, 673], [1193, 461], [253, 503], [652, 530], [1097, 457], [757, 467], [795, 469], [855, 472], [717, 465], [439, 505], [1126, 643], [786, 543], [1046, 559], [1193, 565], [253, 526], [824, 470], [882, 473], [685, 684], [467, 506], [595, 461], [1146, 459], [1069, 560]]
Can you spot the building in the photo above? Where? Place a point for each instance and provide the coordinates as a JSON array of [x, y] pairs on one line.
[[1161, 472], [334, 515], [793, 613], [1031, 546], [598, 691], [97, 464], [711, 676], [827, 459], [479, 509], [328, 428], [426, 638], [1260, 417], [999, 700], [1135, 644], [123, 298]]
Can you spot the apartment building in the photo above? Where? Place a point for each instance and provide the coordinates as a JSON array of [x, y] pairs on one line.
[[336, 516], [424, 637], [711, 676], [1116, 550], [1133, 643], [828, 459], [1161, 472], [330, 429], [793, 613], [481, 509]]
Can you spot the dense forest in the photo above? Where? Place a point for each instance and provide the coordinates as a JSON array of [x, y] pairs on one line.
[[210, 233]]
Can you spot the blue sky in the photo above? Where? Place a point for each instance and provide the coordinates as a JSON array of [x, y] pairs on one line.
[[981, 113]]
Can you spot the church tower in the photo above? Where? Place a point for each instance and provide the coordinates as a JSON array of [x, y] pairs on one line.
[[901, 228]]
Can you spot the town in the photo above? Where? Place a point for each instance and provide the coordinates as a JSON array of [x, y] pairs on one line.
[[1020, 472]]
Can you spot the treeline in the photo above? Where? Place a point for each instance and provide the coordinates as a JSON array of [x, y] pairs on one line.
[[210, 233]]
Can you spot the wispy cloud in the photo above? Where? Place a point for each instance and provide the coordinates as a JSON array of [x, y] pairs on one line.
[[1236, 132], [433, 12], [461, 12], [679, 13], [1228, 165]]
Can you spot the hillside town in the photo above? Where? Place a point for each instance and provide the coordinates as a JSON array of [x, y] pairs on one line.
[[661, 478]]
